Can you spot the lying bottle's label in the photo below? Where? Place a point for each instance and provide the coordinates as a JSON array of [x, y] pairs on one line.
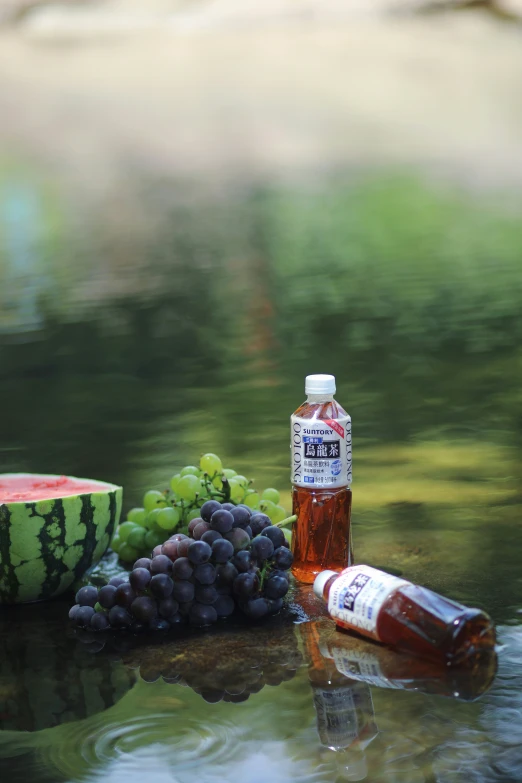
[[357, 595], [321, 452]]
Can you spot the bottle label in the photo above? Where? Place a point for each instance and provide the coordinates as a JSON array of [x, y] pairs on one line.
[[321, 452], [357, 595]]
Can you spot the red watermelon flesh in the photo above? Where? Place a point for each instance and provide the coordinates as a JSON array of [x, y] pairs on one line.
[[23, 487]]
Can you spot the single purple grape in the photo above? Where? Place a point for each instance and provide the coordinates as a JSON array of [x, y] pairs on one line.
[[161, 586], [241, 516], [107, 596], [139, 579], [222, 550], [208, 508], [161, 564], [87, 596], [201, 614], [262, 548], [144, 608], [100, 622], [199, 552], [210, 536], [275, 534], [283, 558], [258, 522], [182, 568], [222, 521], [125, 595]]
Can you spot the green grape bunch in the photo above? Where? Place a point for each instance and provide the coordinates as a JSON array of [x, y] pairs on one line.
[[171, 511]]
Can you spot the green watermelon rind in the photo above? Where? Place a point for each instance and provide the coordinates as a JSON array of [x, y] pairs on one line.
[[47, 545]]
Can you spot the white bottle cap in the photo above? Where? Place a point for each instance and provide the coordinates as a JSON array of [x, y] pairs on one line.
[[320, 581], [320, 384]]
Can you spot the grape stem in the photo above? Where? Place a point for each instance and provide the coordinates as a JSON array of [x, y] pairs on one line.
[[262, 575], [286, 522]]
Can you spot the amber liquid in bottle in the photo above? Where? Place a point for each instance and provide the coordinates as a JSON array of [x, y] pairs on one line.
[[404, 615], [322, 533]]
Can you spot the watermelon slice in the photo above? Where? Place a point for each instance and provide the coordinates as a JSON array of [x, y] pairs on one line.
[[52, 530]]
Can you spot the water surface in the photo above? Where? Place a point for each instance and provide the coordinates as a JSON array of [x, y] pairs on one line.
[[125, 355]]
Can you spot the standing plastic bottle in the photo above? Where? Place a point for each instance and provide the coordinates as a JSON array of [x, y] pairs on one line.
[[409, 617], [321, 446]]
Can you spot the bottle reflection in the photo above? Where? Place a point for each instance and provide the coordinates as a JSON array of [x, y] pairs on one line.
[[344, 708], [385, 668], [341, 670]]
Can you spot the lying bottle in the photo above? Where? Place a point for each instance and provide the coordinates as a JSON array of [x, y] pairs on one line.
[[394, 611]]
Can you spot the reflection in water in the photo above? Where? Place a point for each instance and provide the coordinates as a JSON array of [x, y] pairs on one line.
[[229, 665], [184, 715], [344, 708], [341, 669], [380, 666], [46, 678]]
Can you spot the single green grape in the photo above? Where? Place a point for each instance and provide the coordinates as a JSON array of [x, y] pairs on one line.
[[192, 514], [152, 539], [267, 507], [174, 482], [152, 519], [125, 529], [190, 470], [229, 473], [288, 534], [168, 518], [271, 494], [138, 516], [252, 499], [154, 499], [116, 543], [241, 480], [188, 487], [237, 491], [128, 554], [136, 537], [210, 463], [217, 482], [278, 514]]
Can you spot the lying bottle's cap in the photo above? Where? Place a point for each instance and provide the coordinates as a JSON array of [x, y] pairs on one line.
[[320, 384], [320, 581]]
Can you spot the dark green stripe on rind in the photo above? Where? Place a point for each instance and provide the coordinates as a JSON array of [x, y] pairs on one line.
[[8, 580], [52, 540], [90, 541], [113, 509]]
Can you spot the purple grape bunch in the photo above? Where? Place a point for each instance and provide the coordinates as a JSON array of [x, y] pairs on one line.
[[232, 560]]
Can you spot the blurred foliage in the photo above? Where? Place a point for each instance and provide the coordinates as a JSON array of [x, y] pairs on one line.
[[396, 261]]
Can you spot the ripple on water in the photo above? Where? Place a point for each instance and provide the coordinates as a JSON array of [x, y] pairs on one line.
[[189, 741]]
